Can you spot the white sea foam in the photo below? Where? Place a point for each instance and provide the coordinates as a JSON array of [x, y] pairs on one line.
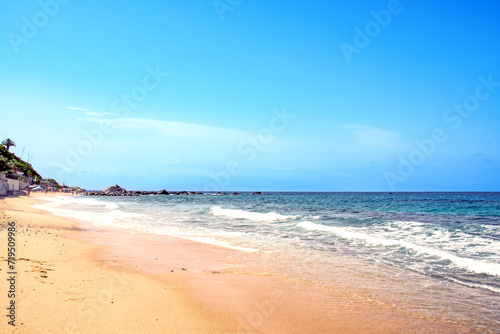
[[459, 241], [60, 201], [113, 218], [195, 234], [254, 216], [111, 206], [476, 285], [477, 266]]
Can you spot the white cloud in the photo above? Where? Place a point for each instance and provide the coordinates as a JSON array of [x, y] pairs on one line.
[[377, 138], [88, 112], [92, 113], [176, 129], [99, 114]]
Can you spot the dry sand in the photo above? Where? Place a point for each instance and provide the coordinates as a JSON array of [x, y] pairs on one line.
[[75, 278]]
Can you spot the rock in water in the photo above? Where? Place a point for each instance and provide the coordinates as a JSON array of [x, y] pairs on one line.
[[114, 189]]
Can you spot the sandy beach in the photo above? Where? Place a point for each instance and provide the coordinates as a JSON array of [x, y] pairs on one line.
[[234, 166], [76, 278]]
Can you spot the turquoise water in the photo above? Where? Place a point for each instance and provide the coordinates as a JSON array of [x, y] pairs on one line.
[[442, 247]]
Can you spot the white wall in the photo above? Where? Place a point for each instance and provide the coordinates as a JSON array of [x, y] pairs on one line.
[[8, 184], [4, 185]]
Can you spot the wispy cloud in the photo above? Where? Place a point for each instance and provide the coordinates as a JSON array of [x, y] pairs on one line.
[[93, 113], [376, 138], [76, 108], [99, 114], [176, 129]]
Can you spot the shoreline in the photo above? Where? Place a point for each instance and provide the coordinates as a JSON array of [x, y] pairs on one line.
[[201, 298]]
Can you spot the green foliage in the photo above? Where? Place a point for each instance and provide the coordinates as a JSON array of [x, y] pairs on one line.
[[8, 143], [55, 182], [9, 161], [5, 164]]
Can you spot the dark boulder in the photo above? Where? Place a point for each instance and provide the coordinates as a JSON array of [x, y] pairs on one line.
[[114, 190]]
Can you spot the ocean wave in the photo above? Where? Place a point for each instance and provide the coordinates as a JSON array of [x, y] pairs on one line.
[[478, 242], [477, 266], [255, 216]]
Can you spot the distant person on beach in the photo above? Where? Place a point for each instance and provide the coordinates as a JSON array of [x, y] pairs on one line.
[[29, 190]]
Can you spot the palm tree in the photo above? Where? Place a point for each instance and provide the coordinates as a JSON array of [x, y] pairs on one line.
[[8, 143]]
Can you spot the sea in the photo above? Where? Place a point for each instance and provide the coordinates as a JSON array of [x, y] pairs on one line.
[[434, 255]]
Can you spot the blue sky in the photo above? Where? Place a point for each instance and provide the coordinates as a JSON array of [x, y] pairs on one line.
[[254, 95]]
